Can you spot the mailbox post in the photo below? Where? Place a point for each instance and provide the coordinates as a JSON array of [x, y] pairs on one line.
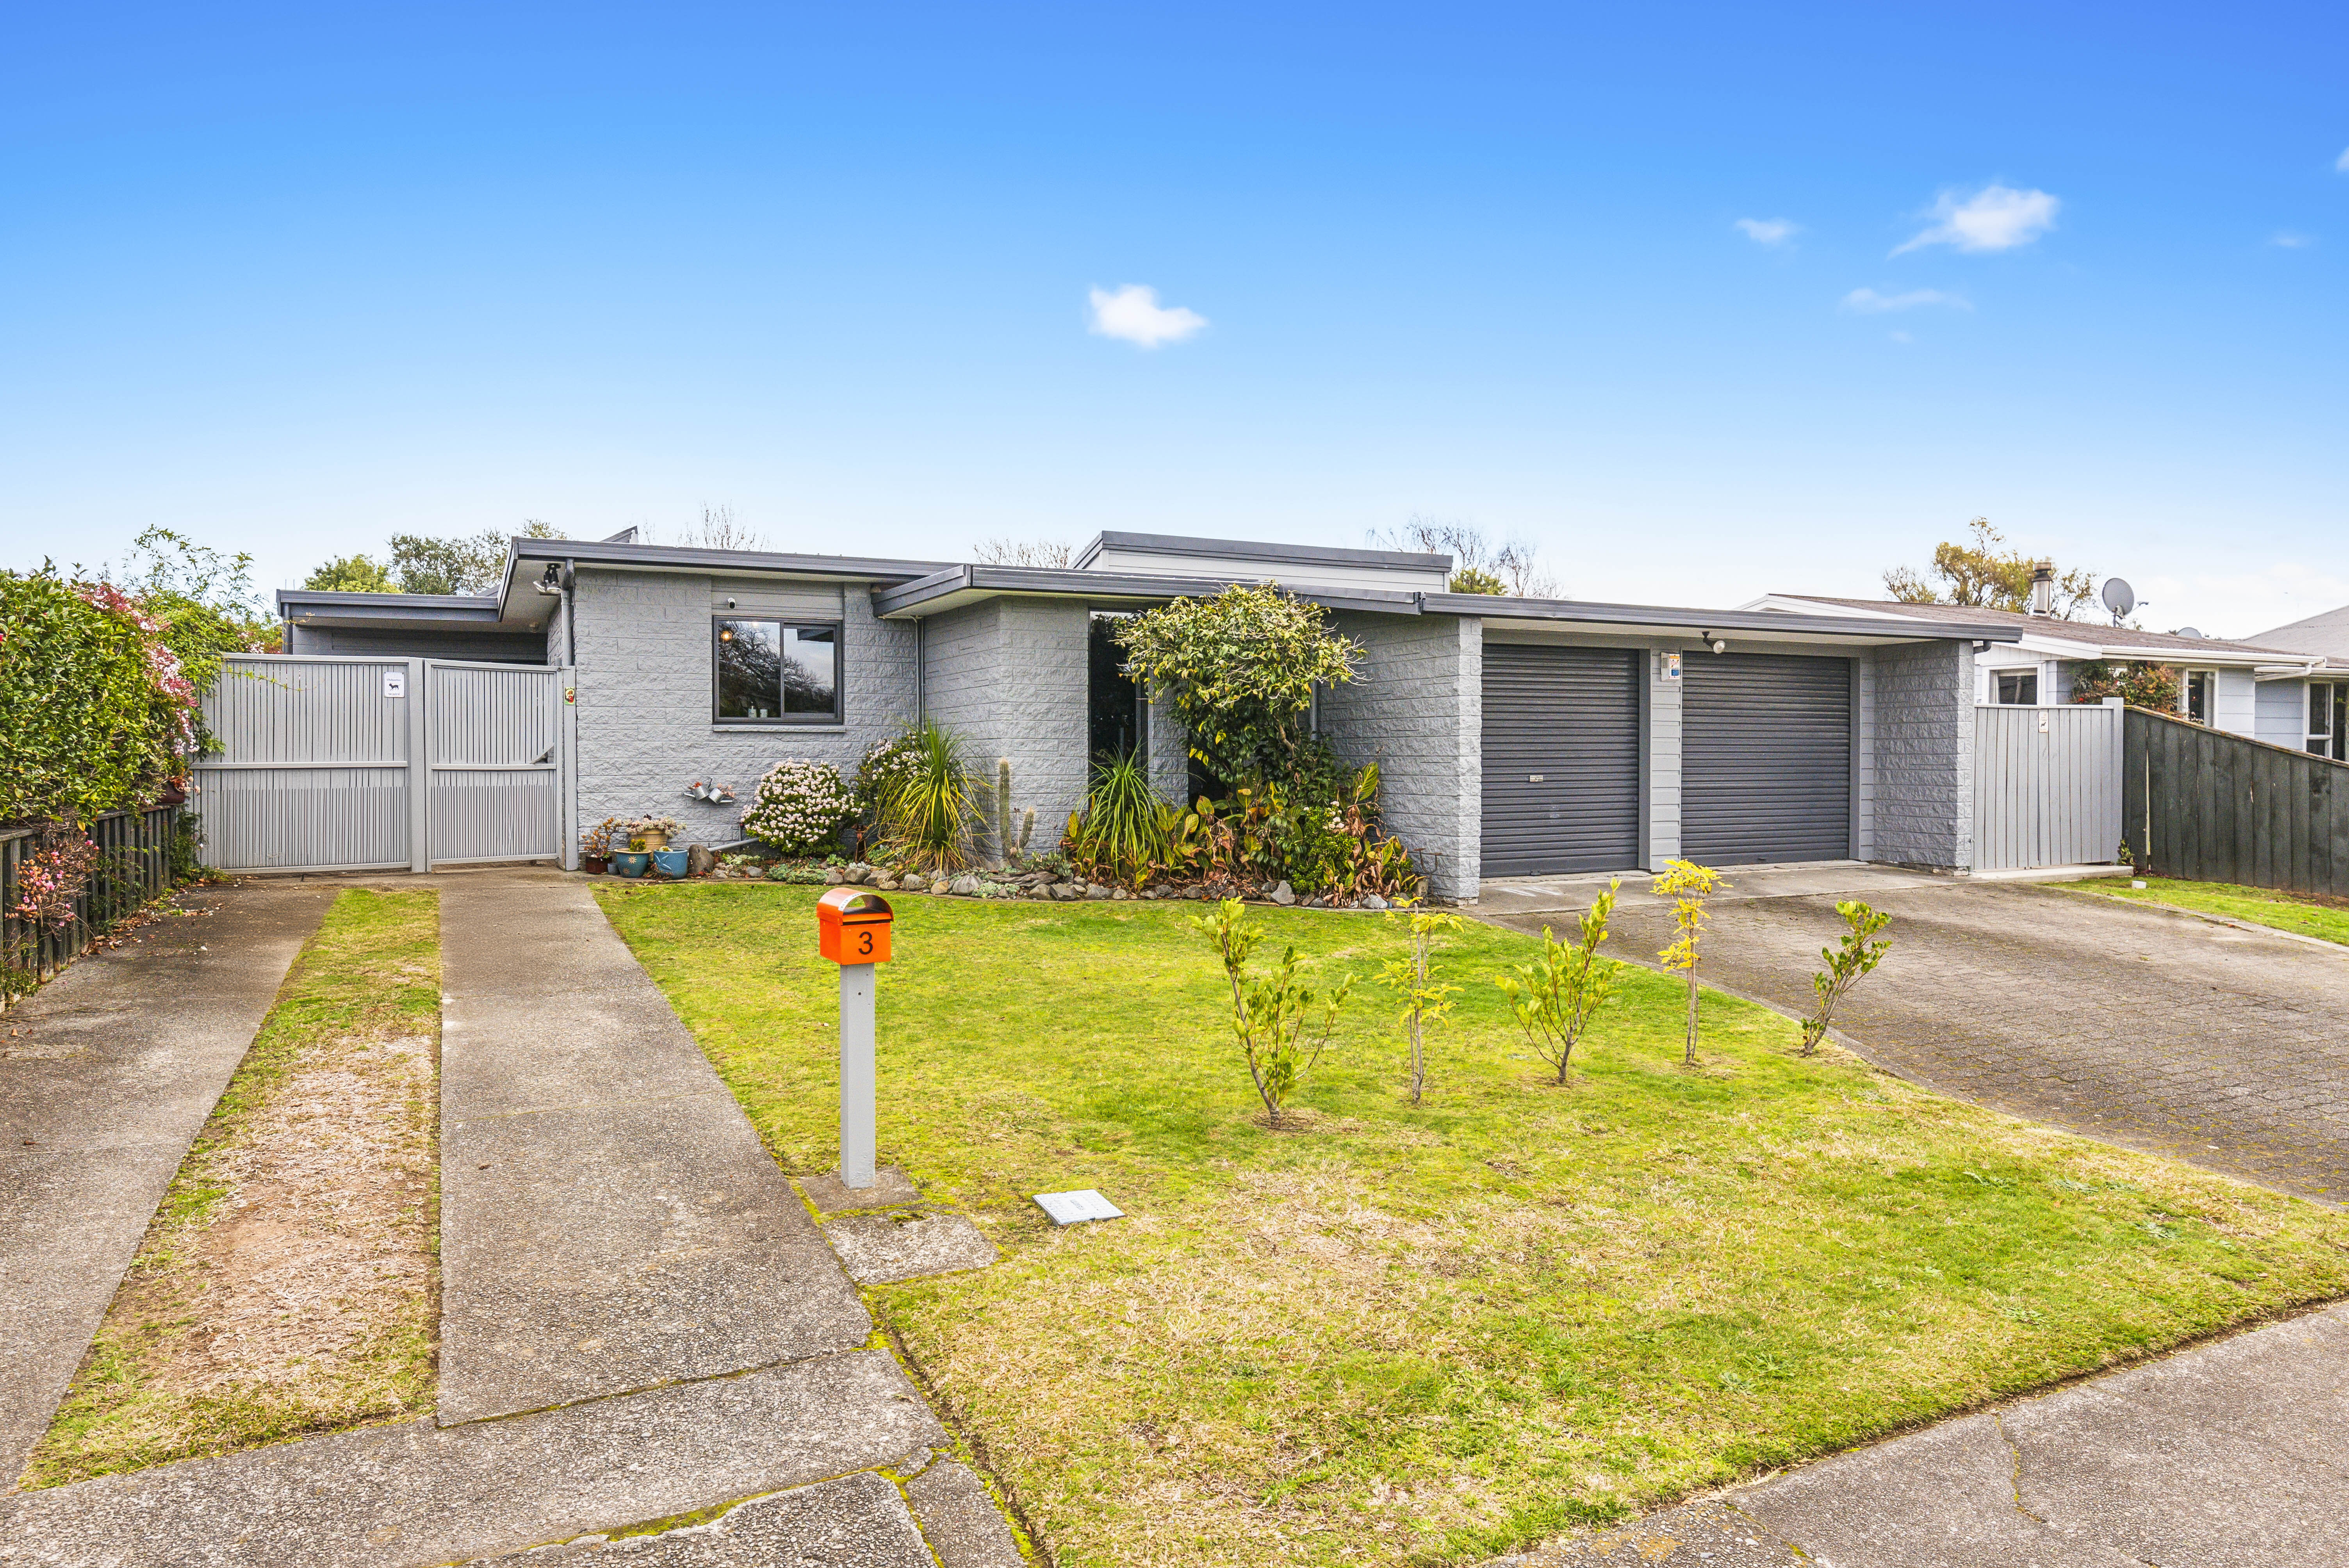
[[852, 929]]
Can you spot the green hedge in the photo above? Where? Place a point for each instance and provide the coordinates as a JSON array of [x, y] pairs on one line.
[[98, 692]]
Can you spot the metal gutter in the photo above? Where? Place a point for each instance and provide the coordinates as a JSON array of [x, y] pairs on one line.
[[960, 585], [1251, 550], [1695, 622]]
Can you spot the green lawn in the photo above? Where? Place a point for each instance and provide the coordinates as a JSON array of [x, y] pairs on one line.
[[2259, 905], [1435, 1334]]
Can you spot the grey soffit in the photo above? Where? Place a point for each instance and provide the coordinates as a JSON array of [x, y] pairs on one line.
[[959, 586], [1561, 759], [527, 558], [1250, 550], [1687, 622], [1766, 758]]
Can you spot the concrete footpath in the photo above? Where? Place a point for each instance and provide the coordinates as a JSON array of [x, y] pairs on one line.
[[106, 1075], [609, 1219], [2231, 1455], [649, 1351]]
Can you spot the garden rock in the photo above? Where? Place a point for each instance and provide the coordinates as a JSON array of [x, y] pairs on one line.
[[1095, 890], [1374, 902], [941, 887], [964, 885], [698, 860], [1284, 893]]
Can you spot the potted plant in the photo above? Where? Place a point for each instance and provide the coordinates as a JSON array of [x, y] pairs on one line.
[[595, 846], [656, 832], [673, 862], [632, 861]]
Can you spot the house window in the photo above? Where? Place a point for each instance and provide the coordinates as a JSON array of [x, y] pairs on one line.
[[2018, 688], [2201, 689], [775, 672], [2328, 720]]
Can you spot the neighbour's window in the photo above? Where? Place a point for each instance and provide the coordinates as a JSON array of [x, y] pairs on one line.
[[2202, 685], [2019, 688], [776, 671], [2328, 720]]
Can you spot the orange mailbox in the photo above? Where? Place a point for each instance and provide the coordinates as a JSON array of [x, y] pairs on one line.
[[852, 926]]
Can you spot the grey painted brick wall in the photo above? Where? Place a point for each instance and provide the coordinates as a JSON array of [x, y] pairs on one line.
[[1009, 675], [646, 729], [1417, 711], [1924, 762]]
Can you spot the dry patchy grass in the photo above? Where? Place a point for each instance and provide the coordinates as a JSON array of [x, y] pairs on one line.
[[1434, 1333], [287, 1284]]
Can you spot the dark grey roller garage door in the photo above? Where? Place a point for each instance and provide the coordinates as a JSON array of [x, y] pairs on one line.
[[1561, 759], [1766, 758]]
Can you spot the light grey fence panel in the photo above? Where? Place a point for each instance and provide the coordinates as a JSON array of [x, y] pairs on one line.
[[314, 769], [497, 761], [2047, 786]]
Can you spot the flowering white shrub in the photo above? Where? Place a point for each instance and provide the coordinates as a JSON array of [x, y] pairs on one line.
[[887, 764], [798, 807]]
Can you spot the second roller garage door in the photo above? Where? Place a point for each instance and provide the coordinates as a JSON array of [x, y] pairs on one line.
[[1561, 759], [1766, 758]]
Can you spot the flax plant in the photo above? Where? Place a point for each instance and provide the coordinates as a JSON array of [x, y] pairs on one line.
[[930, 813], [1688, 886]]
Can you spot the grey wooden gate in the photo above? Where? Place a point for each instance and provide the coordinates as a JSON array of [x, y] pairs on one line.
[[2047, 786], [384, 764]]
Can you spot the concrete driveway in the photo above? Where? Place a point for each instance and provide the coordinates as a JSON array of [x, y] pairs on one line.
[[2225, 1047]]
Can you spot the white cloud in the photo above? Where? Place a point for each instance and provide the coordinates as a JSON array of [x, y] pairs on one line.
[[1868, 302], [1995, 218], [2291, 241], [2342, 162], [1769, 230], [1134, 315]]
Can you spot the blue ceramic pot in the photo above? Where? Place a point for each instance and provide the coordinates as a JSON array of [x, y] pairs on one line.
[[630, 865], [670, 862]]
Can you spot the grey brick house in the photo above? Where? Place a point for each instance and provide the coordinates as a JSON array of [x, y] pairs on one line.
[[1516, 736]]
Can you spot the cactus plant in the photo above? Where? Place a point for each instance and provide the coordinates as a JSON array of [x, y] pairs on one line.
[[1026, 828], [1003, 807]]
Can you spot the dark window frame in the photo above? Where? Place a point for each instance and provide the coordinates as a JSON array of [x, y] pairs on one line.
[[838, 630], [2021, 679]]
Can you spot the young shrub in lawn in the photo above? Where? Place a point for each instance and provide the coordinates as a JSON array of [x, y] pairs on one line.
[[1688, 886], [1847, 961], [799, 808], [1121, 835], [1272, 1018], [928, 816], [1425, 1002], [1556, 997]]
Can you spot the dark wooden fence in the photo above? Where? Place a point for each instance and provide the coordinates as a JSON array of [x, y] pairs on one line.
[[2212, 807], [134, 865]]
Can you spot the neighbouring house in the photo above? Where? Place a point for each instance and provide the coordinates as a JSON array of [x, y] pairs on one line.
[[1515, 737], [2254, 687]]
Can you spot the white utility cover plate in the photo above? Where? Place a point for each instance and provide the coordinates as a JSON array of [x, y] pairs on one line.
[[395, 683], [1069, 1207]]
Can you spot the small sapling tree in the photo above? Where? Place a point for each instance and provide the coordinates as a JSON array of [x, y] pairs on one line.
[[1688, 886], [1424, 1001], [1282, 1025], [1848, 960], [1558, 996]]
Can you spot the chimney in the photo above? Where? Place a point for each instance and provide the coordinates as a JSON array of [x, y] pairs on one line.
[[2042, 587]]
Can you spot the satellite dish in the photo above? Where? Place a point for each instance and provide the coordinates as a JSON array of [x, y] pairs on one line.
[[2119, 597], [2188, 632]]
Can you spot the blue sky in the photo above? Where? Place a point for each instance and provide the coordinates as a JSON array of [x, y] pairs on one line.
[[294, 280]]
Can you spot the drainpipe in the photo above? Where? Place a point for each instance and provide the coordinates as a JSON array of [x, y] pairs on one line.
[[570, 618], [921, 660]]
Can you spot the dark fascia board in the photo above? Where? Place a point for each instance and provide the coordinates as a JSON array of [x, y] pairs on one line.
[[959, 586], [313, 607], [1876, 628], [1251, 550], [719, 562]]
